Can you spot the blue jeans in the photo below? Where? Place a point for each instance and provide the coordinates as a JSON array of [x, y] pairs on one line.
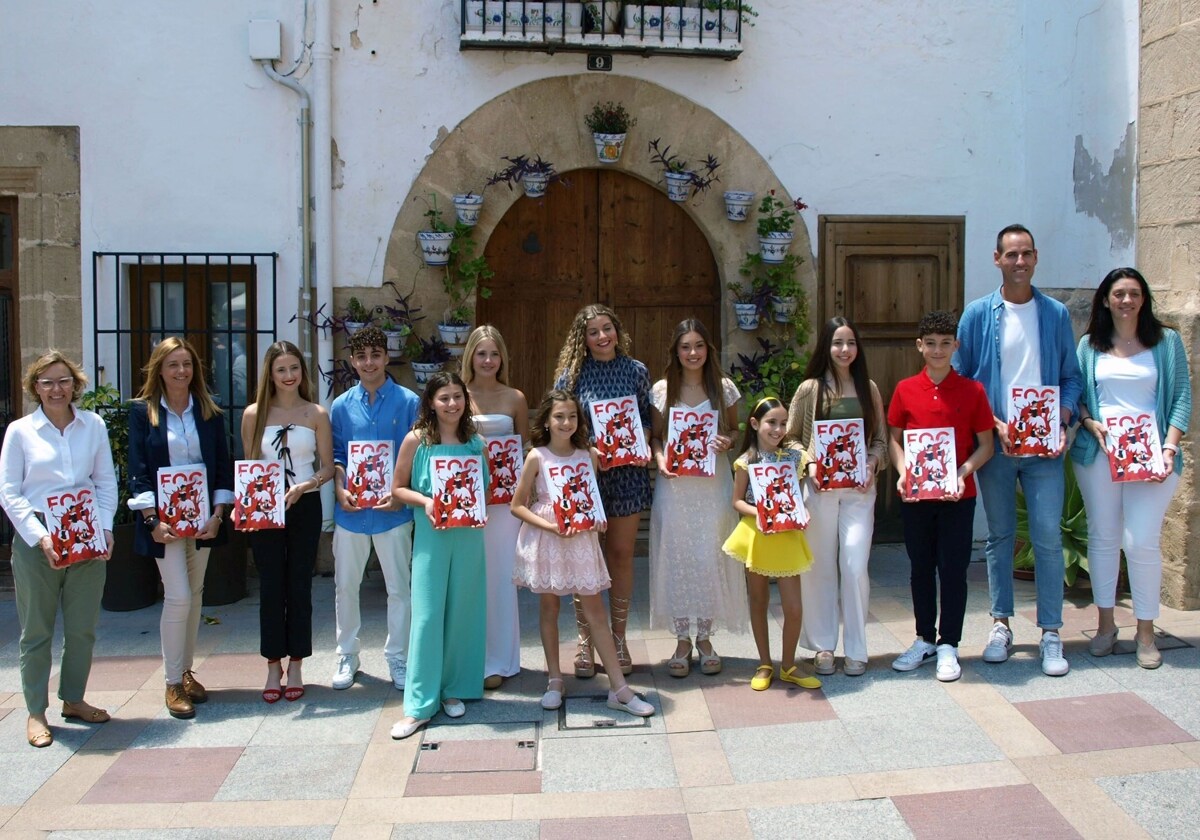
[[1042, 481]]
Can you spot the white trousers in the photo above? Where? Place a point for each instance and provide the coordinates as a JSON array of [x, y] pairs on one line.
[[1125, 515], [837, 587], [182, 568], [350, 554]]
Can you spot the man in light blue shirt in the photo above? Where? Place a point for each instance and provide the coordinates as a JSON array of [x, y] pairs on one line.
[[375, 409], [1016, 336]]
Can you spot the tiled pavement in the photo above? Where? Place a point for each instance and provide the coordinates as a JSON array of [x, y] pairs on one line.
[[1107, 751]]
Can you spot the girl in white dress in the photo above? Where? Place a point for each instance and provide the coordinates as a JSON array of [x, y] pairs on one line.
[[691, 578], [498, 409]]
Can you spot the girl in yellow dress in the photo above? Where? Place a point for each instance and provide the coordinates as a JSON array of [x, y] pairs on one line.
[[783, 555]]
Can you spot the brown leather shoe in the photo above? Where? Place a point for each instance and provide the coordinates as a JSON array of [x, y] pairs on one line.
[[178, 703], [191, 686]]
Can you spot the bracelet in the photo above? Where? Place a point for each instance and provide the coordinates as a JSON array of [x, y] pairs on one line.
[[1172, 447]]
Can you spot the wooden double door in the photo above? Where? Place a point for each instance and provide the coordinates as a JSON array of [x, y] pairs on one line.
[[600, 237]]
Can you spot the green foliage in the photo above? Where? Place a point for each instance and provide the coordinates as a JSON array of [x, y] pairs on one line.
[[775, 371], [609, 118], [106, 401], [748, 11], [1073, 524], [702, 176], [775, 216], [465, 273], [356, 312], [436, 222]]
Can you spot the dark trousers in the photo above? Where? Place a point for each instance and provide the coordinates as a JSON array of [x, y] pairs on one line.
[[938, 538], [285, 559]]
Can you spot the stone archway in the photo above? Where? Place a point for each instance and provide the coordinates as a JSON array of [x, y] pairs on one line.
[[545, 118]]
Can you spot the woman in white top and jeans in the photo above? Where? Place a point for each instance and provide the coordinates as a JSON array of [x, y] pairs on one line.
[[55, 449]]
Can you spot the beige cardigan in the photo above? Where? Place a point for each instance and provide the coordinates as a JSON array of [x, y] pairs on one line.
[[803, 412]]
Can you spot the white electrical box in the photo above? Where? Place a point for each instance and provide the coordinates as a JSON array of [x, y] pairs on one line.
[[265, 40]]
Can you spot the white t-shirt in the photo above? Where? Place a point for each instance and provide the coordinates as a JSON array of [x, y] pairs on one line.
[[1127, 385], [1020, 350]]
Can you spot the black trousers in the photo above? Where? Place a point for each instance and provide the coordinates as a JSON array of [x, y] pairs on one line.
[[938, 538], [285, 559]]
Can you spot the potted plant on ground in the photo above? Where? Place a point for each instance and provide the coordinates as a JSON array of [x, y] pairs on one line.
[[431, 357], [775, 221], [680, 177], [609, 123], [435, 239], [465, 275], [533, 175]]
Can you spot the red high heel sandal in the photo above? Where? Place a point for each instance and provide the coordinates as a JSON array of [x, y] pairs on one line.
[[293, 692], [272, 695]]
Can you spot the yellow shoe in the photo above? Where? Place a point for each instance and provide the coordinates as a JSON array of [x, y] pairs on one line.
[[763, 675], [792, 677]]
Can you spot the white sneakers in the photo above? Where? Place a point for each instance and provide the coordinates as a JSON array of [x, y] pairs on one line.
[[916, 656], [343, 673], [398, 669], [1054, 664], [999, 643], [948, 669]]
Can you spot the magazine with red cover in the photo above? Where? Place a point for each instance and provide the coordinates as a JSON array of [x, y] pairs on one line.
[[183, 498], [504, 468], [841, 453], [930, 464], [258, 495], [575, 494], [1033, 425], [369, 465], [1134, 450], [688, 449], [459, 494], [74, 527], [777, 498], [617, 426]]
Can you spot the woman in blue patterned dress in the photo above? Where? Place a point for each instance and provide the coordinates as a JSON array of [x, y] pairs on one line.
[[594, 364]]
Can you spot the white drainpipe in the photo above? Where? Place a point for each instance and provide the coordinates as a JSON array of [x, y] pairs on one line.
[[322, 170]]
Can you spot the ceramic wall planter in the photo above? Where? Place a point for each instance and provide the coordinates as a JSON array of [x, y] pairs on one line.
[[435, 246], [524, 20], [608, 146], [535, 183], [679, 185], [774, 246], [467, 207], [423, 370], [737, 204], [454, 334], [352, 327], [662, 22], [747, 316], [395, 343], [783, 308]]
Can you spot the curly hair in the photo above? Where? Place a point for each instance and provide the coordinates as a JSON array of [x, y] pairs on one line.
[[574, 349], [539, 427], [368, 337], [427, 428], [937, 322], [152, 387]]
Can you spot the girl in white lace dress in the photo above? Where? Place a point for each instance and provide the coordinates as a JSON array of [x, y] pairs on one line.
[[555, 563], [691, 578]]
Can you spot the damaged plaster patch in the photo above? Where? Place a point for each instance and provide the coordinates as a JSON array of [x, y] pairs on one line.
[[338, 173], [1107, 196], [442, 134]]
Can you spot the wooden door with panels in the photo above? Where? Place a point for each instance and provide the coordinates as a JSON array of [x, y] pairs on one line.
[[884, 273], [605, 237]]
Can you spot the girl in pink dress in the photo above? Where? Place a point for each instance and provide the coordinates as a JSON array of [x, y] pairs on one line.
[[554, 562]]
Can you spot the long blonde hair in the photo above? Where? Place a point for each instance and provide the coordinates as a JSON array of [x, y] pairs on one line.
[[152, 387], [574, 349], [466, 364], [266, 391]]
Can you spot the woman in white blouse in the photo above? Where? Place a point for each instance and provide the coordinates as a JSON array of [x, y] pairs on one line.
[[56, 449]]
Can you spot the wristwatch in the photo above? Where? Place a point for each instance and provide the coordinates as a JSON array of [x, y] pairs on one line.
[[151, 522]]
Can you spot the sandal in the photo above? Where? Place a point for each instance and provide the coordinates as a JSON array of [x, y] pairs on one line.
[[585, 665], [681, 666], [710, 663], [38, 734], [553, 697], [269, 694], [618, 609], [763, 675], [294, 692], [792, 675], [84, 711]]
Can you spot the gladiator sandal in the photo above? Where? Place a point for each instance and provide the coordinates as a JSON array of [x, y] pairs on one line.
[[585, 665], [618, 609]]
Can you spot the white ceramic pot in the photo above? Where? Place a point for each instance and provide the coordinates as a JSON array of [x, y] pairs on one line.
[[608, 146], [737, 204], [774, 246], [467, 207], [353, 326], [535, 183], [454, 334], [435, 246], [423, 370], [395, 343], [747, 316], [661, 23], [517, 20], [783, 308], [679, 185]]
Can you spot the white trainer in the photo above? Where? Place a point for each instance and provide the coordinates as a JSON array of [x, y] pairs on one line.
[[1054, 664], [948, 669], [999, 643], [398, 669], [916, 656], [343, 673]]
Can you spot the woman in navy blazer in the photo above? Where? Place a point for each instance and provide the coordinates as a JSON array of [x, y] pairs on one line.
[[174, 422]]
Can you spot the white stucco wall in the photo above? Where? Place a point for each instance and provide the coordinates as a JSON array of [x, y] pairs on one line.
[[919, 108]]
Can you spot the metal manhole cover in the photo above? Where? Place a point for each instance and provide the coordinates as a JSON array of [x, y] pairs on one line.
[[476, 756], [591, 712]]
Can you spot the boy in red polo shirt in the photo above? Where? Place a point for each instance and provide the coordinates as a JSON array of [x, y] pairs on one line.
[[937, 534]]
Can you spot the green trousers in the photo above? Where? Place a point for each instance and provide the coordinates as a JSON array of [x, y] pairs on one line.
[[40, 590]]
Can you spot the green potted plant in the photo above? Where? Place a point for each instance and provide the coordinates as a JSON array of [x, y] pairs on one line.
[[776, 283], [749, 303], [533, 175], [431, 357], [681, 177], [435, 238], [609, 123], [467, 207], [775, 370], [397, 320], [775, 221], [464, 276], [357, 316]]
